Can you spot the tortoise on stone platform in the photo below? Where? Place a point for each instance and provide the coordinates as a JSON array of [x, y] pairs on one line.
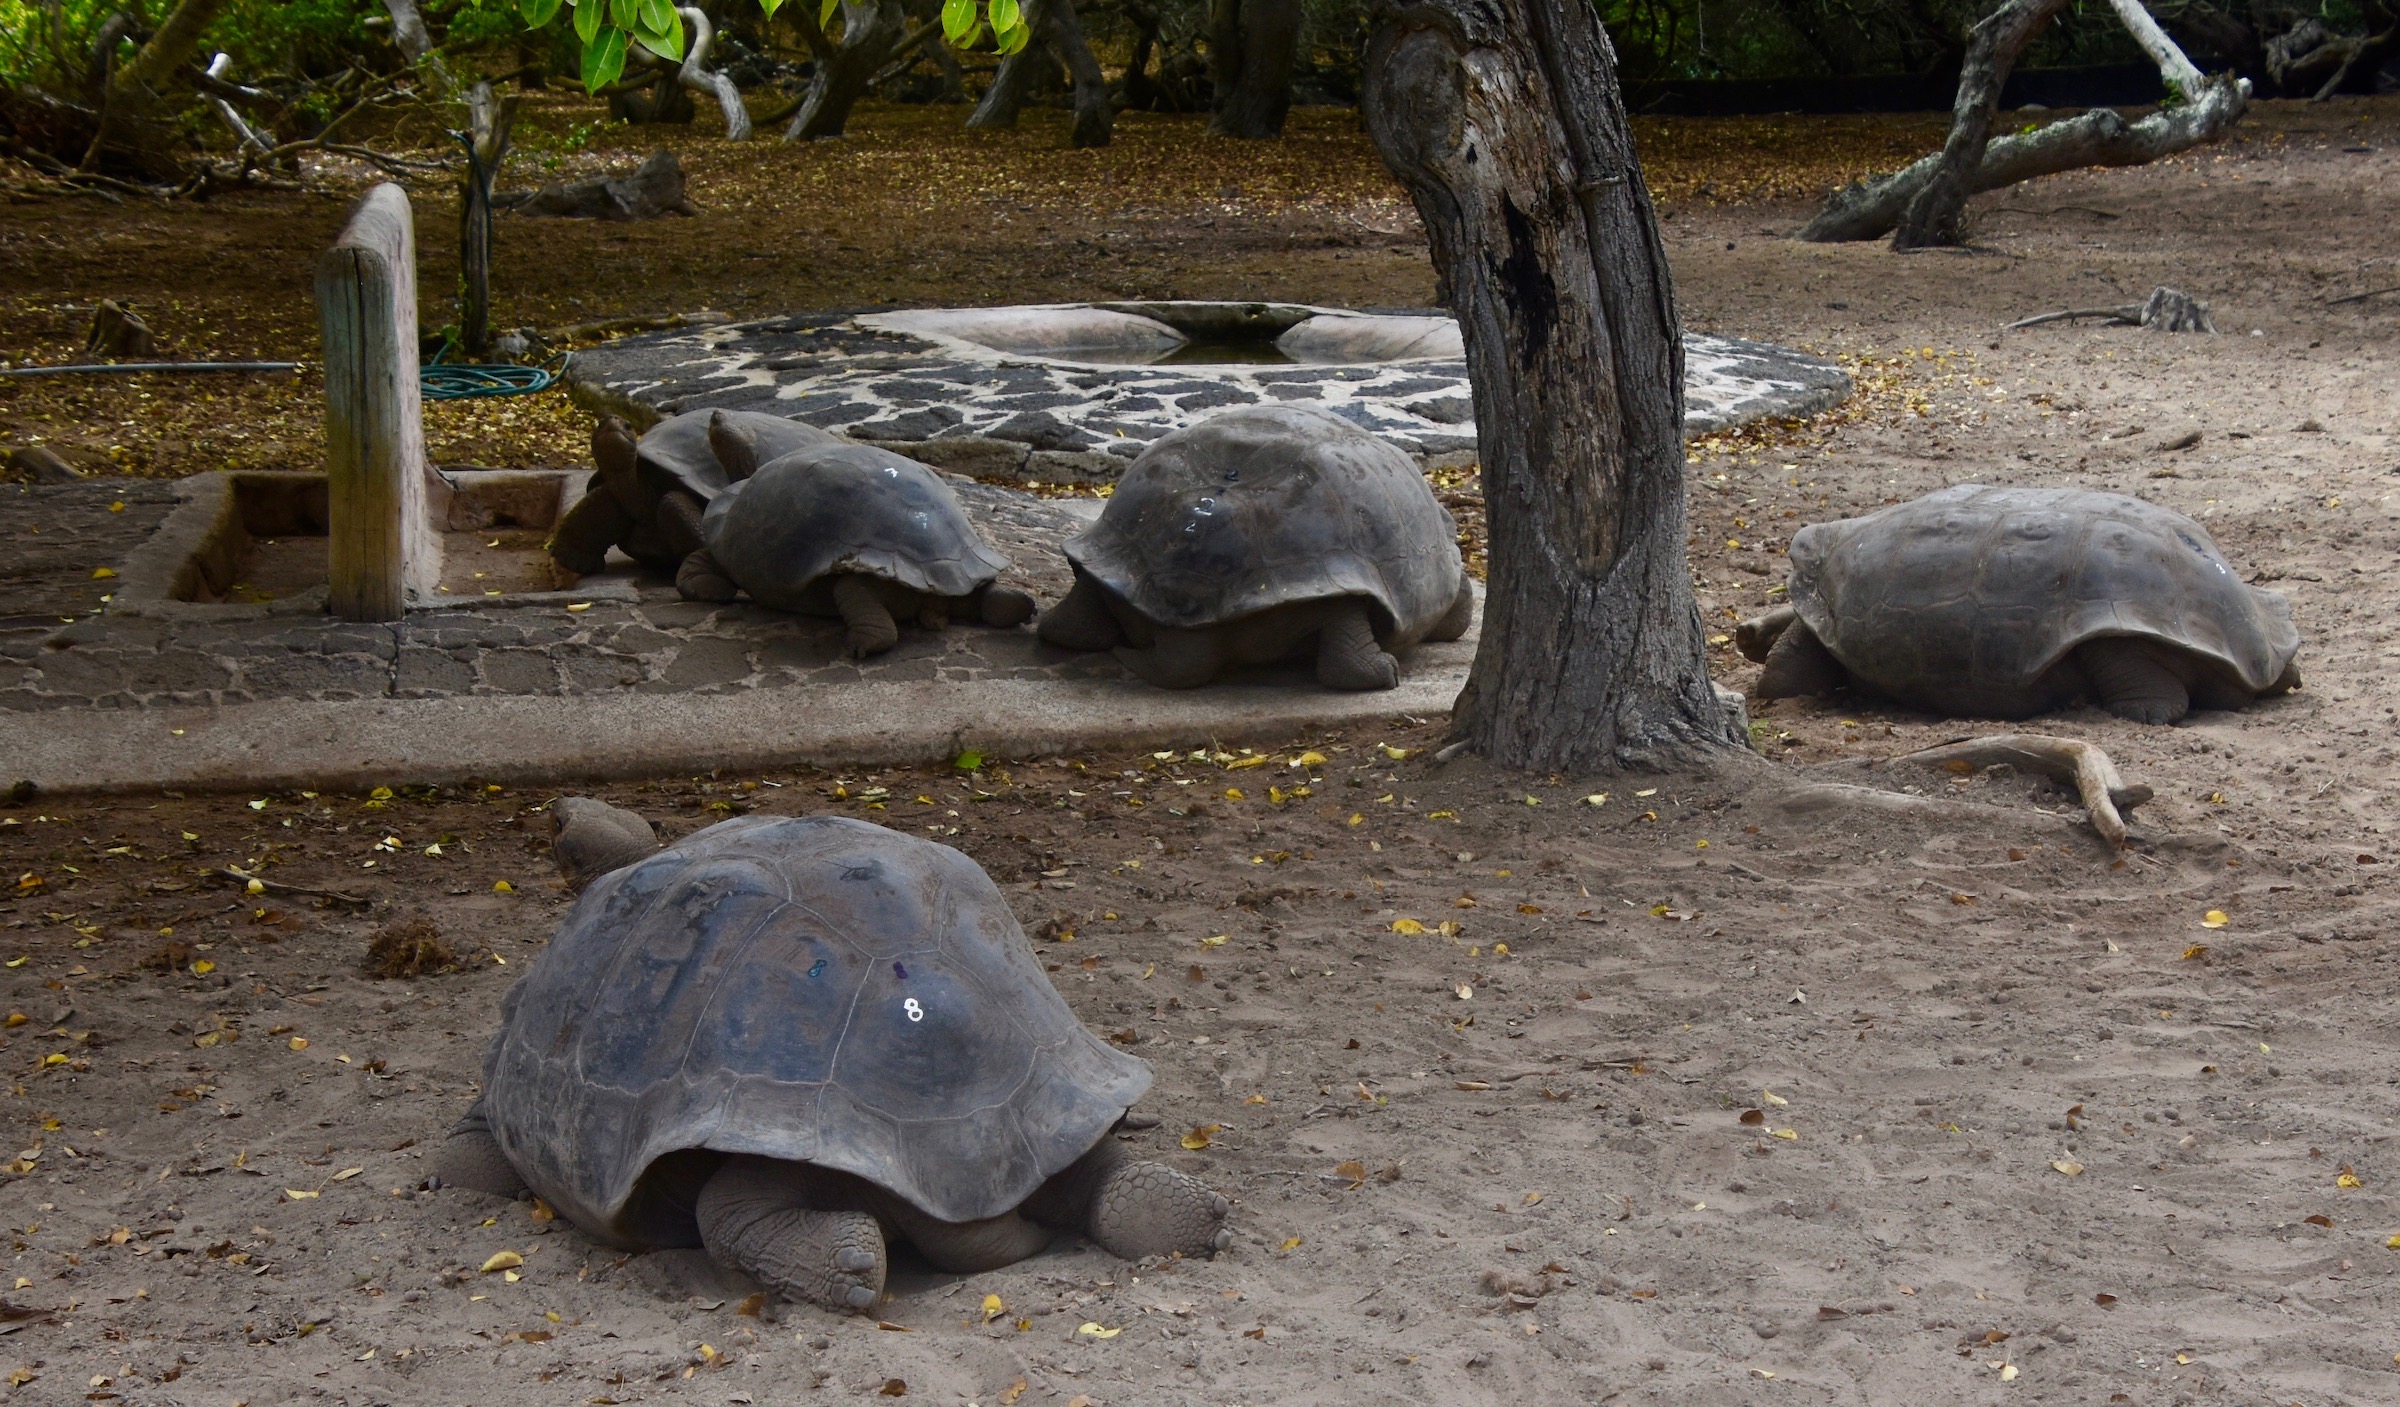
[[2006, 602], [1261, 533], [648, 495], [785, 1039], [851, 530]]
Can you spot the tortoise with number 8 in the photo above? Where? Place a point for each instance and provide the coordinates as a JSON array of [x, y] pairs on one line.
[[788, 1039]]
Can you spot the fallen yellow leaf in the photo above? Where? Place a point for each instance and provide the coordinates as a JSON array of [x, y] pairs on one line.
[[992, 1308], [347, 1173], [2214, 918], [298, 1195], [1197, 1138], [2067, 1166], [1407, 926], [503, 1260], [2349, 1178], [2195, 952], [1097, 1331], [1290, 1243]]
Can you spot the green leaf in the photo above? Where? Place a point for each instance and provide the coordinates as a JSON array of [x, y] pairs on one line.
[[624, 13], [1007, 15], [666, 40], [537, 12], [1008, 41], [770, 7], [967, 761], [587, 23], [603, 60], [958, 21], [825, 14], [657, 17]]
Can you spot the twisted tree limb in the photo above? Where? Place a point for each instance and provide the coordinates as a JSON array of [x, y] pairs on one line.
[[2200, 109], [2069, 760]]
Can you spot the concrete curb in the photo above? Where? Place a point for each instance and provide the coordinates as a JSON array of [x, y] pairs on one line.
[[356, 744]]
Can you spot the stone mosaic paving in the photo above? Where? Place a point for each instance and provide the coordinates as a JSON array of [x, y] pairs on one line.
[[996, 414]]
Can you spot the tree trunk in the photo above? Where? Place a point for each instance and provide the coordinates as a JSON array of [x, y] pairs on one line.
[[1057, 41], [2203, 108], [871, 34], [408, 30], [1013, 84], [1936, 215], [1252, 44], [486, 141], [1094, 123], [133, 132], [1504, 121]]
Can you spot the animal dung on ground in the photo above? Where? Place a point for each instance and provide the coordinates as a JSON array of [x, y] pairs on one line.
[[410, 947]]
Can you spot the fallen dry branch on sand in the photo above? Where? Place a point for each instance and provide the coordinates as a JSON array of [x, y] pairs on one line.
[[2165, 310], [272, 886], [2361, 297], [2068, 760]]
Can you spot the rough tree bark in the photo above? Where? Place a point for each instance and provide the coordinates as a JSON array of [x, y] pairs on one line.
[[1937, 213], [134, 131], [1504, 121], [1058, 38], [872, 32], [2205, 108], [1251, 46]]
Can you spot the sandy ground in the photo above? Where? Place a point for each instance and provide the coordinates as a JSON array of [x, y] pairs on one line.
[[1763, 1102]]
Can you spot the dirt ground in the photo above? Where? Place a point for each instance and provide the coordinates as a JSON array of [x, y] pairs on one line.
[[1714, 1093]]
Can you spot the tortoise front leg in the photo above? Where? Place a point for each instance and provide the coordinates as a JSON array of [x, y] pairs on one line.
[[1799, 665], [768, 1219], [471, 1158], [2132, 681], [703, 578], [679, 513], [1347, 655], [1080, 621], [871, 630], [1177, 659], [581, 539], [965, 1247], [1133, 1208], [1003, 607]]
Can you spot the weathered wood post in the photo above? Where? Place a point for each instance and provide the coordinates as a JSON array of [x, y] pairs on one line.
[[383, 549]]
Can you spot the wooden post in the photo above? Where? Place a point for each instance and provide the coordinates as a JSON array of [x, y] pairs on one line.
[[383, 549]]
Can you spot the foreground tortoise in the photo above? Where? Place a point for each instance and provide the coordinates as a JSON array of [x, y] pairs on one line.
[[853, 531], [1259, 534], [786, 1039], [2006, 602], [648, 495]]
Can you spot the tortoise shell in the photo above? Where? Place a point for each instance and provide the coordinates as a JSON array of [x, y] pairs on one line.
[[674, 453], [1961, 601], [1268, 506], [845, 508], [814, 989]]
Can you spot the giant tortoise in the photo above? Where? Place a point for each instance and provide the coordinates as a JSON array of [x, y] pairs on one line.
[[2007, 602], [648, 495], [853, 531], [787, 1039], [1262, 533]]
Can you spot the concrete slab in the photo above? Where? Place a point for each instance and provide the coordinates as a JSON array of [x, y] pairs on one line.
[[331, 744]]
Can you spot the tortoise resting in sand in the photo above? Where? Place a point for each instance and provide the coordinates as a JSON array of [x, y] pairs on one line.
[[2007, 602], [788, 1039], [1259, 534], [648, 495], [848, 530]]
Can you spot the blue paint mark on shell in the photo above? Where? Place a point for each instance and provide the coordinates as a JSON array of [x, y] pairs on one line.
[[900, 972], [817, 968]]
